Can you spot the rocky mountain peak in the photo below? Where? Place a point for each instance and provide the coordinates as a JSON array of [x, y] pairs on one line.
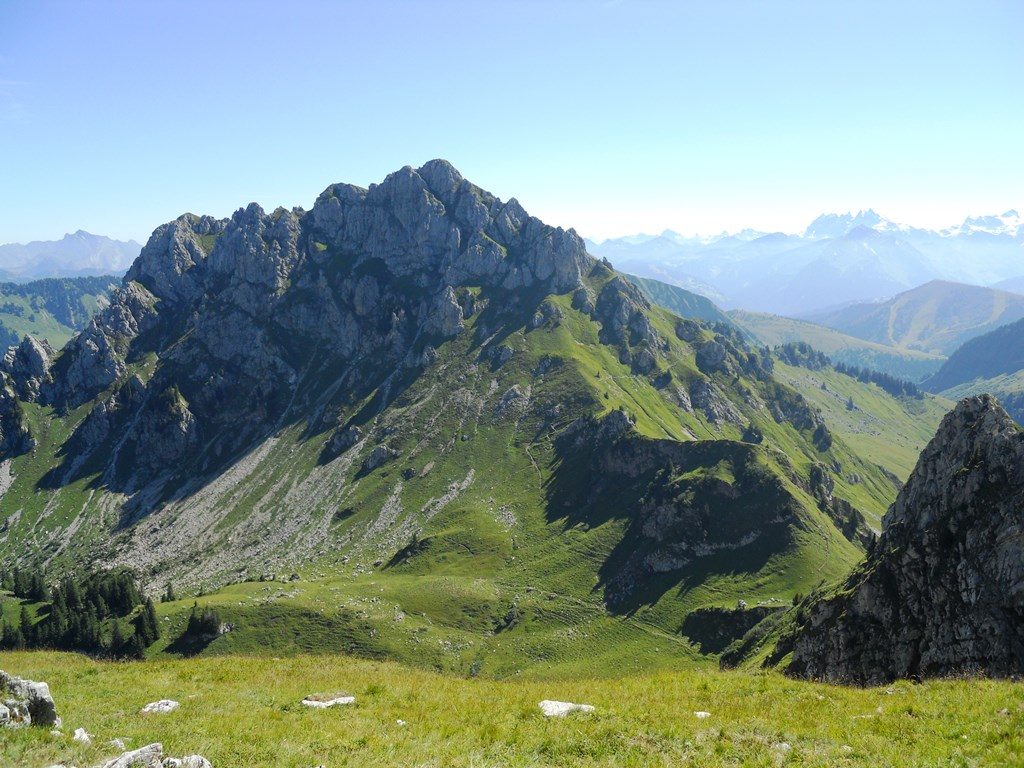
[[977, 444], [942, 590]]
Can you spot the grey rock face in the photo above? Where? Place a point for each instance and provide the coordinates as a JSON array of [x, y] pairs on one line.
[[28, 365], [344, 439], [27, 702], [942, 591], [15, 437], [378, 457], [165, 265], [239, 310]]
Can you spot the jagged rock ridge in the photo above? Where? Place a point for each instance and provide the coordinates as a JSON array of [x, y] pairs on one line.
[[942, 591]]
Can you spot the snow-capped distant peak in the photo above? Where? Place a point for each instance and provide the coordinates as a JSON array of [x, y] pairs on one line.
[[1008, 223], [839, 224]]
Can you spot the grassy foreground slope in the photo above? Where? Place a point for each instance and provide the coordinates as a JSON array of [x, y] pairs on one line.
[[243, 711]]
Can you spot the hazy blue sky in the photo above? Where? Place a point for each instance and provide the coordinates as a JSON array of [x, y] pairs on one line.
[[612, 117]]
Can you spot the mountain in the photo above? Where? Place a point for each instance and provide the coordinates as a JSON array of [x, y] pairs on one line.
[[831, 225], [837, 259], [775, 330], [1012, 284], [942, 591], [935, 318], [861, 265], [52, 309], [422, 388], [1008, 223], [680, 301], [74, 255], [992, 363]]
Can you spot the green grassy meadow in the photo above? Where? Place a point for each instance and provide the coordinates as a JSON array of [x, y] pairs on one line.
[[244, 711]]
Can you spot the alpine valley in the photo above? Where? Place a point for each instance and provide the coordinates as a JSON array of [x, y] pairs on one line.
[[420, 395], [415, 430]]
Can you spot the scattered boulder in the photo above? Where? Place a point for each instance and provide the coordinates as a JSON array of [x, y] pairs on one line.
[[82, 736], [152, 756], [562, 708], [701, 715], [344, 439], [379, 456], [321, 701], [515, 398], [27, 702], [160, 707]]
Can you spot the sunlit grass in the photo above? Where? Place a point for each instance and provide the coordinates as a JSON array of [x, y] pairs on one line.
[[245, 711]]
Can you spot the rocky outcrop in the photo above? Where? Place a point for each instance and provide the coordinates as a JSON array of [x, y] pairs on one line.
[[942, 590], [238, 310], [26, 702], [691, 501], [15, 437], [28, 365]]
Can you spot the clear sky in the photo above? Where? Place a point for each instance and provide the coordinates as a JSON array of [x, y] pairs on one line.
[[611, 117]]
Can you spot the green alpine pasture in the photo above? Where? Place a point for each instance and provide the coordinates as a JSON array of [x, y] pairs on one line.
[[244, 710]]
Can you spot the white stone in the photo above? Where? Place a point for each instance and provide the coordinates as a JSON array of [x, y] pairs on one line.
[[149, 756], [325, 703], [702, 715], [162, 706], [82, 736], [562, 708]]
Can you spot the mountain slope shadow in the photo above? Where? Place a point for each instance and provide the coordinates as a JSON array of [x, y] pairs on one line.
[[692, 509]]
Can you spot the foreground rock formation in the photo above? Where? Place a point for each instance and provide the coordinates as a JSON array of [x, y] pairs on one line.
[[942, 590], [26, 702]]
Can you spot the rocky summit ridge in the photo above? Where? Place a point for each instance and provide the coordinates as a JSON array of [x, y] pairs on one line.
[[414, 378], [942, 590]]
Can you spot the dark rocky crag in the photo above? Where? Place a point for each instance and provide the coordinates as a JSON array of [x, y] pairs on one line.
[[942, 590]]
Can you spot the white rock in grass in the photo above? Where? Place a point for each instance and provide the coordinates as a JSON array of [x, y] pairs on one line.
[[160, 707], [702, 715], [82, 736], [149, 756], [562, 708], [323, 702]]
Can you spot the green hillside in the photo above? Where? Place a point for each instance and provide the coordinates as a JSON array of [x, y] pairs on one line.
[[53, 309], [887, 430], [500, 460], [680, 301], [992, 363], [774, 330], [936, 317]]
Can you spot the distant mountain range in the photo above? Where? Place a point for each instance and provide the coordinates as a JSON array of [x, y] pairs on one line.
[[78, 254], [838, 259]]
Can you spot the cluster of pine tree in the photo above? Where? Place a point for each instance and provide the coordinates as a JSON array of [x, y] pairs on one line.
[[26, 586], [93, 614], [894, 386], [202, 624], [804, 355]]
